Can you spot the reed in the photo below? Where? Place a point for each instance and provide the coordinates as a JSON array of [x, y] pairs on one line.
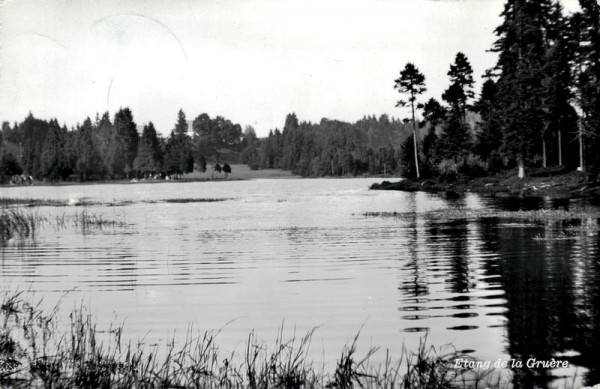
[[18, 223], [194, 200], [23, 223], [35, 351], [31, 202], [86, 219]]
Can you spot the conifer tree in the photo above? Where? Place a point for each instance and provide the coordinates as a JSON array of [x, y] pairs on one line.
[[53, 161], [558, 82], [179, 150], [586, 23], [124, 143], [412, 83], [460, 90], [521, 46], [89, 164], [489, 133], [149, 157], [433, 114]]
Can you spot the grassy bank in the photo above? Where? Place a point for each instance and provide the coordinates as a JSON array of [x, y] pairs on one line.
[[238, 173], [540, 183], [37, 351]]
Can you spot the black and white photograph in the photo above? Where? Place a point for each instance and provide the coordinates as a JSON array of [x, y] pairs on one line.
[[326, 194]]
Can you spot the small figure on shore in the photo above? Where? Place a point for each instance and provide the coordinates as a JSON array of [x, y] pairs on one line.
[[226, 169]]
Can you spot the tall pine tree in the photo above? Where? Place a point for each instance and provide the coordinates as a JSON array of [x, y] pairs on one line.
[[178, 157], [89, 164], [124, 143], [521, 46], [412, 83], [149, 156], [587, 25]]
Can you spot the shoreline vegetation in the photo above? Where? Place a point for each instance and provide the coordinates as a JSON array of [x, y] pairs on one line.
[[555, 184], [38, 350]]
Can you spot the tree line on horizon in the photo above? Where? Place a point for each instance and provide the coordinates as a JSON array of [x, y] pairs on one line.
[[113, 149], [330, 147], [538, 107]]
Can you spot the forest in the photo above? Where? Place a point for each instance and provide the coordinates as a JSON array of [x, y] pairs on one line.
[[113, 148], [539, 106]]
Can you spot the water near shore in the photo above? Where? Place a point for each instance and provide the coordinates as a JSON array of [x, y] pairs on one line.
[[251, 255]]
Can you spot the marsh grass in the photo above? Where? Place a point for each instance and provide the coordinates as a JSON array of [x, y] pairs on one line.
[[194, 200], [23, 223], [31, 202], [36, 202], [86, 220], [467, 213], [15, 222], [36, 351]]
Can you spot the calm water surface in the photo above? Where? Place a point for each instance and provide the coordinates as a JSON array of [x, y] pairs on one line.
[[303, 253]]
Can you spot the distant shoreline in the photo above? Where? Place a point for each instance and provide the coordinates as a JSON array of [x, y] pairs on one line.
[[239, 173]]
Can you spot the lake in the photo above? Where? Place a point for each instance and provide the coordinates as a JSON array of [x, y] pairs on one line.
[[303, 253]]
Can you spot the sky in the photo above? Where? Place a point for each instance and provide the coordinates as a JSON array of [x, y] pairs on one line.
[[251, 61]]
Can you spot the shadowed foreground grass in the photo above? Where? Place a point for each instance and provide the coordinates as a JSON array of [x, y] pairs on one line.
[[35, 351]]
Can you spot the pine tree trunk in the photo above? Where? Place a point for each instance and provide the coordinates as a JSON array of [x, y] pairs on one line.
[[580, 123], [544, 153], [415, 140], [521, 167], [559, 145]]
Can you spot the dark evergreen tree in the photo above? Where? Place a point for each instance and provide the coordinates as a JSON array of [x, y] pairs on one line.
[[149, 156], [33, 134], [586, 24], [460, 90], [124, 143], [179, 157], [489, 132], [558, 86], [53, 160], [455, 141], [104, 136], [181, 127], [521, 46], [433, 112], [90, 164]]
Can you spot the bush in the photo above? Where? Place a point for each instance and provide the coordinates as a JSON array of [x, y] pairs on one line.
[[473, 166], [495, 163], [448, 169], [9, 166]]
